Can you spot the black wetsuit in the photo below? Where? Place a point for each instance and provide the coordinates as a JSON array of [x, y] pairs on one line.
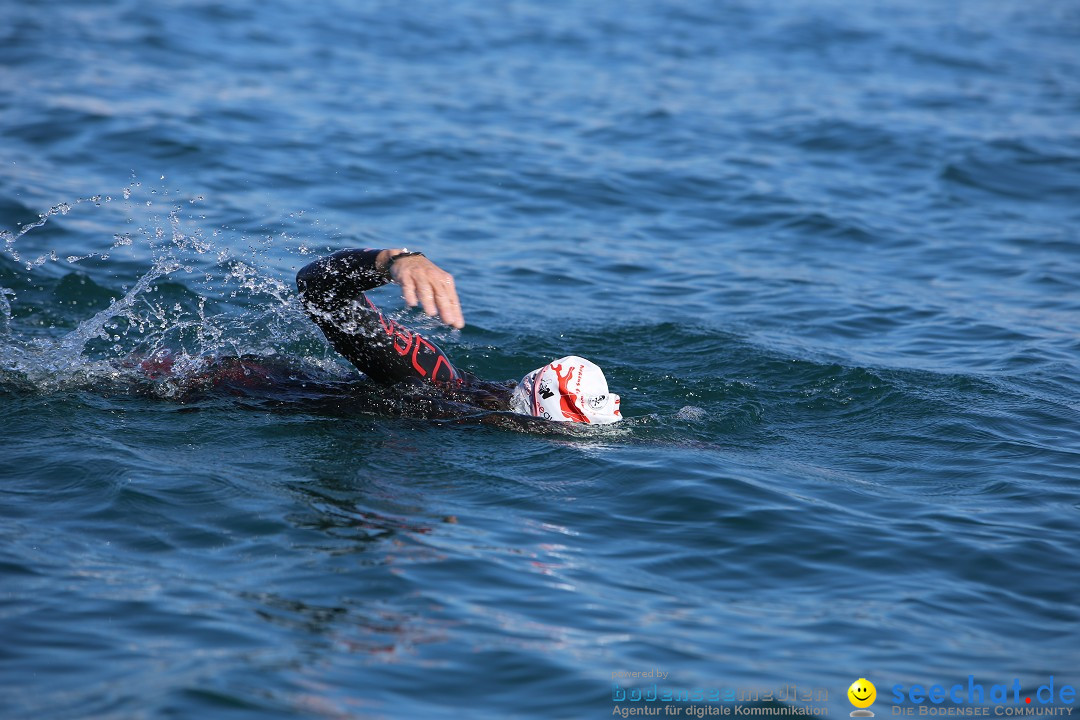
[[413, 377], [332, 291]]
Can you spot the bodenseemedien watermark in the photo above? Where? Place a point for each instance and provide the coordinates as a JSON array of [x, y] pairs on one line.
[[632, 695]]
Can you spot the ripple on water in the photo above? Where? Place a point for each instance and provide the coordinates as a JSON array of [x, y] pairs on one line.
[[825, 252], [1014, 169]]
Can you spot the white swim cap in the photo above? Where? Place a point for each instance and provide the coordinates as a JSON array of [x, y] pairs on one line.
[[571, 389]]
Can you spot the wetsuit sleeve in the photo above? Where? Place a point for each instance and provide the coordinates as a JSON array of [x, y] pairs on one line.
[[338, 277], [332, 292]]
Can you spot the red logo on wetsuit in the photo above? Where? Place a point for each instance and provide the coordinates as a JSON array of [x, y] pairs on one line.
[[404, 341]]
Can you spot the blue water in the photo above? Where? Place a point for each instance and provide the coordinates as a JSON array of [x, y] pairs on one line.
[[827, 252]]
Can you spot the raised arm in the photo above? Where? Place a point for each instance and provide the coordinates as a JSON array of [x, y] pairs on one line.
[[332, 288], [347, 273]]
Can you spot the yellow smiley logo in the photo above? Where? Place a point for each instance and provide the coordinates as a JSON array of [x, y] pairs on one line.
[[862, 693]]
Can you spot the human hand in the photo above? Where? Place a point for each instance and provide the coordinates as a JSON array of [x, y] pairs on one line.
[[425, 283]]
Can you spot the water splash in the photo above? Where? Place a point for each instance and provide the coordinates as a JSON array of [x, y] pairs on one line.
[[9, 238], [5, 309], [691, 413], [199, 299]]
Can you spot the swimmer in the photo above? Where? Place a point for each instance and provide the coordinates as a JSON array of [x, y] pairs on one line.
[[570, 389]]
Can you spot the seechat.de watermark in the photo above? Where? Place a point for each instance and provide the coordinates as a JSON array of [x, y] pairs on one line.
[[973, 698]]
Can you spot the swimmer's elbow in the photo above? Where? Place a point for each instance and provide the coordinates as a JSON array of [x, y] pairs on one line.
[[346, 272], [308, 276]]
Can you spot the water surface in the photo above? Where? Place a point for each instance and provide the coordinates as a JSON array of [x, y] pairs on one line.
[[826, 252]]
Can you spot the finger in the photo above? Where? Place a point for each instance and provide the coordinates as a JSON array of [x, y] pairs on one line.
[[408, 291], [450, 307], [449, 311], [427, 299]]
